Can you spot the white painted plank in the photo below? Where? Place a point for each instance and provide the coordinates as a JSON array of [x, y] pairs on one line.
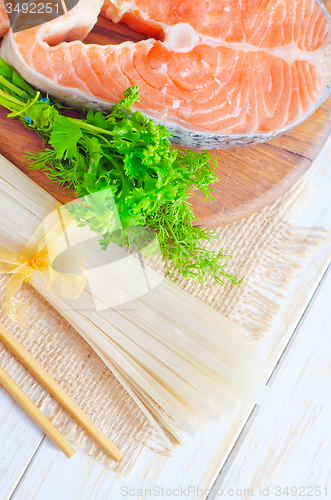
[[289, 443], [51, 476], [19, 439], [81, 477]]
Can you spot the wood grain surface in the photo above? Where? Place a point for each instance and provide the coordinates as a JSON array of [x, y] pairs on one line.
[[286, 446], [250, 177]]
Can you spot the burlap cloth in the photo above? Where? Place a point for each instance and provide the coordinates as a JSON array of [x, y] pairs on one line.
[[265, 249]]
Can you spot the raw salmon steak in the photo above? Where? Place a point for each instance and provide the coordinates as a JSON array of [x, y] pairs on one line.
[[222, 73]]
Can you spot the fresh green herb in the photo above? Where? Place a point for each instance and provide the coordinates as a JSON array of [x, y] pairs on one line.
[[126, 152]]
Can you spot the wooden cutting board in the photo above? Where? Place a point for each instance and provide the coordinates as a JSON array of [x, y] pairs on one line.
[[250, 177]]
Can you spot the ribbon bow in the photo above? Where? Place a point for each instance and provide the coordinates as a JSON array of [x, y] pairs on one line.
[[46, 243]]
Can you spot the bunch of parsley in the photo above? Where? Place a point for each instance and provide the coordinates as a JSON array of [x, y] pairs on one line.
[[126, 152]]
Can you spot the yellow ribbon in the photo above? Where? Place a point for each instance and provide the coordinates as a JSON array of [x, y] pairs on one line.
[[46, 243]]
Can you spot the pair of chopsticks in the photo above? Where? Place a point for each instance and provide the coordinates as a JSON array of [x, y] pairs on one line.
[[57, 392]]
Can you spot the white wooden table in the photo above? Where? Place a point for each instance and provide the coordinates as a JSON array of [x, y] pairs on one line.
[[256, 453]]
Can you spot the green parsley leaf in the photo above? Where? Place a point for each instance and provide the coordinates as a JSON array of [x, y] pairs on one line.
[[64, 138]]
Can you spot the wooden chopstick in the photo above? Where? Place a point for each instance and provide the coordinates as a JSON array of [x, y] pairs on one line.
[[35, 413], [59, 394]]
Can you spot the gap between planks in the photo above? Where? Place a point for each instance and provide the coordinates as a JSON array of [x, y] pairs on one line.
[[20, 478]]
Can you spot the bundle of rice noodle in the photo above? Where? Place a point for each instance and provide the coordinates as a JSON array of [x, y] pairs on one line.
[[182, 362]]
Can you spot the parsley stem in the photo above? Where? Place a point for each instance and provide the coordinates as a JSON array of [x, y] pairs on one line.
[[10, 98], [13, 88], [101, 137], [8, 105], [114, 155], [28, 106], [126, 185], [87, 126]]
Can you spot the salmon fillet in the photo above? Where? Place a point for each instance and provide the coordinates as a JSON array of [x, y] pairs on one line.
[[227, 72]]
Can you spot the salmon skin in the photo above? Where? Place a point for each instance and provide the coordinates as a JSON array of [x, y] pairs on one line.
[[226, 73]]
